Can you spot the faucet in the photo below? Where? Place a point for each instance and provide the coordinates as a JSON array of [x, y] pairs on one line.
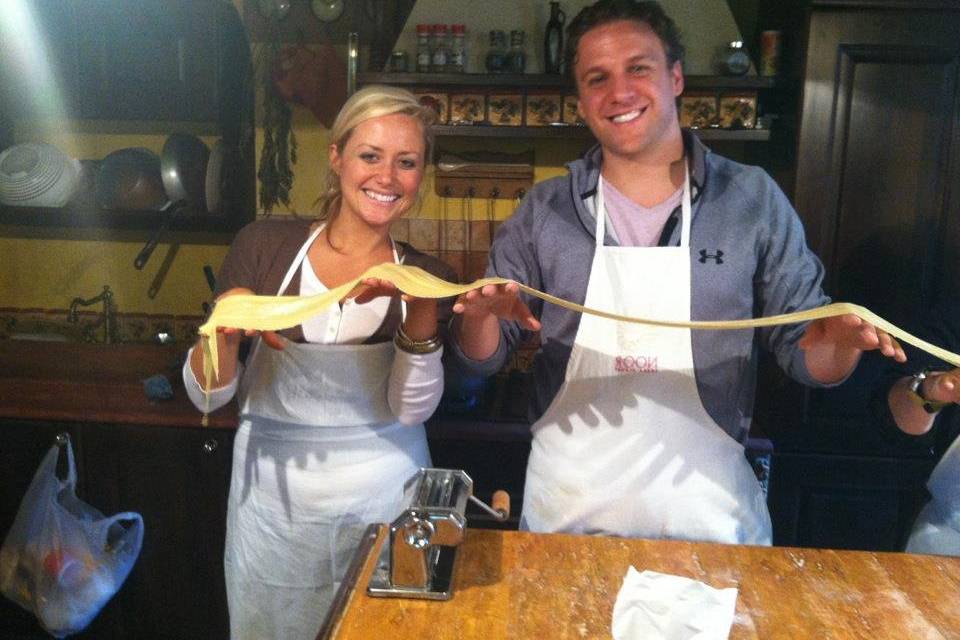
[[106, 296]]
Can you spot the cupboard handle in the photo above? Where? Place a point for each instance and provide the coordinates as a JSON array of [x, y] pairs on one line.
[[209, 446]]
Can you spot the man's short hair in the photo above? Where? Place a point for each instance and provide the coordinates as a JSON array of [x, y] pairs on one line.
[[603, 12]]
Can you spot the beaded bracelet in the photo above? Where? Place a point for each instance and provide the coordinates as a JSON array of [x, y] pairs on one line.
[[405, 343]]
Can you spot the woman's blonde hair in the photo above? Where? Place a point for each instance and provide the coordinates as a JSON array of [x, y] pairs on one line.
[[372, 102]]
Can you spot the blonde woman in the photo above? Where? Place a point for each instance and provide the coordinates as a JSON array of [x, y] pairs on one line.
[[331, 411]]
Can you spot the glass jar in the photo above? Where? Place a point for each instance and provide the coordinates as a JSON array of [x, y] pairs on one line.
[[423, 48], [496, 61], [399, 62], [438, 53], [517, 56], [456, 61]]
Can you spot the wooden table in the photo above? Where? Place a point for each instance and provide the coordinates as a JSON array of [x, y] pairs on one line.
[[510, 584]]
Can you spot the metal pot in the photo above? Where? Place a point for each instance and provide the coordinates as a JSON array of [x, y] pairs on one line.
[[183, 167]]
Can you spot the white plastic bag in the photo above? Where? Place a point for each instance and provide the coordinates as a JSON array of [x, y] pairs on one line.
[[62, 560]]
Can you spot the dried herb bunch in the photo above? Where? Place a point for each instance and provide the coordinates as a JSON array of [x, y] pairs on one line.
[[279, 152]]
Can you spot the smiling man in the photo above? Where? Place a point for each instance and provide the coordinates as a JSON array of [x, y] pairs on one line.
[[639, 430]]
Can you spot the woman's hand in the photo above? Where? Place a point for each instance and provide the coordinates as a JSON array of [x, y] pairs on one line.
[[942, 387], [421, 320], [233, 335]]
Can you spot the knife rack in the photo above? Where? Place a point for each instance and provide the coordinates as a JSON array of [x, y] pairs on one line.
[[484, 175]]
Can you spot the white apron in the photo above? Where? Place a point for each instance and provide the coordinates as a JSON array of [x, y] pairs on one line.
[[626, 447], [937, 528], [317, 457]]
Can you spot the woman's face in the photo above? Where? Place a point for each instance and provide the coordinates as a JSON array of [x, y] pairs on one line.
[[380, 168]]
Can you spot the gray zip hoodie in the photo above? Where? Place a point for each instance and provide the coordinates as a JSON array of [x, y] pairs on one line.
[[749, 258]]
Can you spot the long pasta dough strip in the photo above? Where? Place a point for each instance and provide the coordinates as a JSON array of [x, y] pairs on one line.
[[272, 313]]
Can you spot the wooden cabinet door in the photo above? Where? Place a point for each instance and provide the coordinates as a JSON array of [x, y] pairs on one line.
[[877, 188], [178, 480], [877, 182], [878, 154]]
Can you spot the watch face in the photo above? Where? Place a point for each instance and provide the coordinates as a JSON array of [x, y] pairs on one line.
[[327, 10]]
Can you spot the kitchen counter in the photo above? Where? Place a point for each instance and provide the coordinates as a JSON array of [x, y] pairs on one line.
[[516, 585], [97, 383], [102, 383]]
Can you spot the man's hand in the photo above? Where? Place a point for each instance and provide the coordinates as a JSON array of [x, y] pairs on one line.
[[233, 335], [500, 300], [833, 346]]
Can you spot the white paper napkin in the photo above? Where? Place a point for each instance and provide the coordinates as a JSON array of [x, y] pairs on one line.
[[653, 606]]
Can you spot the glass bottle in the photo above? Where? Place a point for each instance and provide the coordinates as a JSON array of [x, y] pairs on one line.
[[423, 48], [438, 61], [496, 61], [553, 40], [517, 56], [458, 54]]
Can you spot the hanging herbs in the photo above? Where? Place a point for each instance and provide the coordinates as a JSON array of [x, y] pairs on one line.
[[279, 152]]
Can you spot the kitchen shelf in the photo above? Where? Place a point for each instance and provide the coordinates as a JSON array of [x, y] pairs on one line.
[[542, 81], [91, 217], [582, 133]]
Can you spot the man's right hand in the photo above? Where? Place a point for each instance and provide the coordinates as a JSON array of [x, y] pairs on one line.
[[480, 310], [500, 300]]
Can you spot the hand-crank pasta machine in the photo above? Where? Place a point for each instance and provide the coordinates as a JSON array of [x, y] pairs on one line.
[[417, 559]]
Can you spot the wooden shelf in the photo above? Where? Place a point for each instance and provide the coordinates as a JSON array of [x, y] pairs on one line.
[[583, 133], [542, 81], [91, 217]]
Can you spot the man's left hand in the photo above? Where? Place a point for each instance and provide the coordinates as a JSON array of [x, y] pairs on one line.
[[849, 333]]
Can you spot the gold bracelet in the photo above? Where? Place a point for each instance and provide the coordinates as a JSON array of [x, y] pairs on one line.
[[405, 343]]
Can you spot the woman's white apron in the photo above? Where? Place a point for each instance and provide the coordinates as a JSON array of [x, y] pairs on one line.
[[317, 457], [937, 528]]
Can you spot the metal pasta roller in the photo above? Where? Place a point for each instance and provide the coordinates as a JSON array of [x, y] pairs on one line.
[[417, 559]]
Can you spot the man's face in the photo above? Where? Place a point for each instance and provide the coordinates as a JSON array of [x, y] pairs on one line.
[[627, 89]]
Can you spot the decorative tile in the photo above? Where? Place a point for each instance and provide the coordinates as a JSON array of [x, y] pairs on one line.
[[480, 236], [134, 327], [505, 110], [476, 266], [424, 234], [544, 109], [400, 230], [186, 328], [453, 236], [455, 259]]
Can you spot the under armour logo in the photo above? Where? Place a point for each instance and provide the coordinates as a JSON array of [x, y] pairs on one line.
[[704, 256]]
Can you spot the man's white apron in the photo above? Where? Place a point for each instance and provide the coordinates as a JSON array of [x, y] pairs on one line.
[[626, 448]]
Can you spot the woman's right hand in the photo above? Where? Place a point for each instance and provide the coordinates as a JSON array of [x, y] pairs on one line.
[[233, 335]]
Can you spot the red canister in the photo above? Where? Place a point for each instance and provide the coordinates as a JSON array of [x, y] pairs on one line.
[[769, 53]]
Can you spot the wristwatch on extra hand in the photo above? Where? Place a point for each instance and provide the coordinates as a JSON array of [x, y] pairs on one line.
[[916, 392]]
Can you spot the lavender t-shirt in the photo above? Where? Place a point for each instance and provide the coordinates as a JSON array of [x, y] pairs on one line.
[[634, 224]]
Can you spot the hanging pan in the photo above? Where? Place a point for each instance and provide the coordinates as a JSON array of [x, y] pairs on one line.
[[183, 167]]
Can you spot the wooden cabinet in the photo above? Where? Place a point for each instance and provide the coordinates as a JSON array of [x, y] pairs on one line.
[[178, 480], [876, 186], [137, 60], [125, 68]]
